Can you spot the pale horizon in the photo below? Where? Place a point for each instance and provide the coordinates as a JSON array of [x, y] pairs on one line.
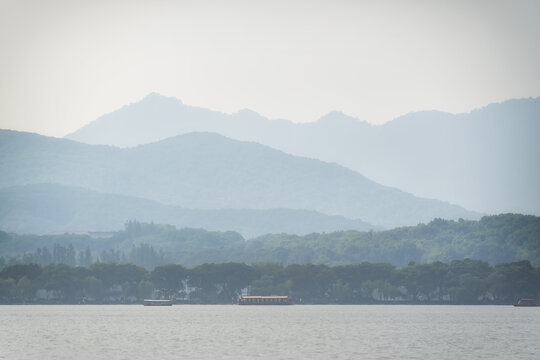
[[64, 63]]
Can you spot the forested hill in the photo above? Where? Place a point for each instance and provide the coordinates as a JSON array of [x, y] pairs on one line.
[[53, 208], [494, 239], [209, 171]]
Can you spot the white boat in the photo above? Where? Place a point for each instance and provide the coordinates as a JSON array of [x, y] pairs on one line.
[[150, 302]]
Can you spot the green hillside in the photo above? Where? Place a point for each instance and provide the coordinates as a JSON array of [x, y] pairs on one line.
[[209, 171], [493, 239]]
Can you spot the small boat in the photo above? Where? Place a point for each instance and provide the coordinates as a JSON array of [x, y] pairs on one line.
[[150, 302], [526, 302], [263, 300]]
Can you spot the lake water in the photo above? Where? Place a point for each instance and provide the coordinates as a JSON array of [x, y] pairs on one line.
[[268, 332]]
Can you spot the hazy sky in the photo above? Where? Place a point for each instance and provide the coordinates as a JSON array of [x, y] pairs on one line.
[[63, 63]]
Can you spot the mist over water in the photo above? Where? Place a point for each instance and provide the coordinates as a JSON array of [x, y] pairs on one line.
[[270, 332]]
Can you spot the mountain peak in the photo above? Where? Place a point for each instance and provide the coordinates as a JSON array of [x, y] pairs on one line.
[[337, 117], [154, 96], [247, 113]]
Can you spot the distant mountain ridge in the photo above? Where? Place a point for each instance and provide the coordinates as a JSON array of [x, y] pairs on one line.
[[486, 160], [156, 118], [209, 171], [53, 208]]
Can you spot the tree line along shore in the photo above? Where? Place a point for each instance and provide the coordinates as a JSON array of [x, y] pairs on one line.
[[464, 281]]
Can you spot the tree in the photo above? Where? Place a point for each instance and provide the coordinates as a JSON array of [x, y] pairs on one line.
[[310, 282], [117, 274], [85, 257], [341, 293], [7, 289], [62, 279], [17, 271], [26, 288], [169, 277], [514, 280], [144, 289], [468, 280], [145, 256], [93, 288]]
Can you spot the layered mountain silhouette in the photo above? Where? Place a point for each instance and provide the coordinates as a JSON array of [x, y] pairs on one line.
[[48, 208], [210, 171], [486, 160]]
